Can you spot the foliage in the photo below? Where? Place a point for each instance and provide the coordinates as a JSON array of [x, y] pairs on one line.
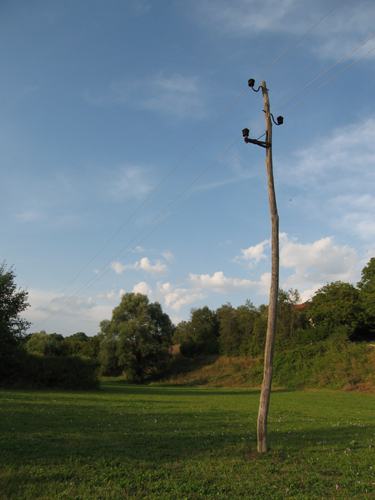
[[191, 348], [12, 303], [79, 337], [42, 344], [204, 326], [24, 370], [336, 304], [367, 293], [137, 339], [182, 333]]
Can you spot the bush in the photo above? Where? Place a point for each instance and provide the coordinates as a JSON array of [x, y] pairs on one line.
[[45, 372], [192, 348]]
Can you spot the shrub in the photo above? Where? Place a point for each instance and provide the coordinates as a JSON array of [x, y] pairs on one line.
[[44, 372]]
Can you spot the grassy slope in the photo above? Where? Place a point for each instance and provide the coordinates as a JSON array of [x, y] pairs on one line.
[[153, 442], [348, 366]]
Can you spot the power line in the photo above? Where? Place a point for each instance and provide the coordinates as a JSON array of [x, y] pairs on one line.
[[148, 225], [299, 39], [146, 199], [184, 157], [324, 72], [328, 81], [88, 284]]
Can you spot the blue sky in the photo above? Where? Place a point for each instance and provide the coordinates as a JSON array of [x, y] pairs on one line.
[[101, 100]]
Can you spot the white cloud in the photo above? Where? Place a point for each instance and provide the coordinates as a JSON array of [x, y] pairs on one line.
[[176, 94], [264, 284], [253, 254], [141, 7], [244, 17], [343, 29], [159, 268], [336, 179], [219, 283], [77, 314], [129, 181], [112, 295], [318, 262], [168, 256], [142, 288], [175, 298], [30, 215]]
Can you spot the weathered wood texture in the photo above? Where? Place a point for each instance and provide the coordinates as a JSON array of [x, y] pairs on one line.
[[272, 309]]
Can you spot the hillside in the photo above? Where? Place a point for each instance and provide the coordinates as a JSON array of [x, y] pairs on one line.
[[347, 366]]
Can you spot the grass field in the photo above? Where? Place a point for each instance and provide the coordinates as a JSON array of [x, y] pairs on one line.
[[139, 442]]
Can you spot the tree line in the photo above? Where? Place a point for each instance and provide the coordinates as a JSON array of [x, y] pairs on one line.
[[137, 339]]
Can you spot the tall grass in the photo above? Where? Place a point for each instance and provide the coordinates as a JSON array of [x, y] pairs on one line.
[[335, 363]]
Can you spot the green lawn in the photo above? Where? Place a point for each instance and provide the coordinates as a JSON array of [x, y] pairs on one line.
[[175, 443]]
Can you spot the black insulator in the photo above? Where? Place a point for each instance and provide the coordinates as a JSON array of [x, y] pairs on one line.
[[246, 132], [280, 120], [251, 82]]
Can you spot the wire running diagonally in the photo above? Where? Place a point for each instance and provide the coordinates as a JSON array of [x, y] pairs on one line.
[[183, 158], [299, 39], [92, 281]]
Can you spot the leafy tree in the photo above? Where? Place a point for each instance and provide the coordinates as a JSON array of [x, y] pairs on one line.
[[12, 303], [42, 344], [246, 315], [204, 326], [289, 318], [336, 304], [182, 332], [138, 337], [258, 339], [79, 336], [229, 328], [367, 293]]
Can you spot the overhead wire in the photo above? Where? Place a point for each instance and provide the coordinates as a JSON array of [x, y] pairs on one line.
[[88, 284], [155, 218], [330, 80], [299, 39], [324, 72], [179, 163]]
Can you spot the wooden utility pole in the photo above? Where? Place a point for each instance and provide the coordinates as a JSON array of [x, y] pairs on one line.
[[272, 308]]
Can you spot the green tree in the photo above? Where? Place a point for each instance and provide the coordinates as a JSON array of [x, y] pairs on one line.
[[367, 294], [13, 301], [337, 304], [246, 315], [229, 329], [204, 326], [182, 332], [42, 344], [79, 336], [138, 336]]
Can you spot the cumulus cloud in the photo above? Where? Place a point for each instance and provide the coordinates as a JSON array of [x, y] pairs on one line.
[[76, 314], [253, 254], [142, 288], [219, 283], [315, 264], [144, 264], [112, 295], [175, 298]]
